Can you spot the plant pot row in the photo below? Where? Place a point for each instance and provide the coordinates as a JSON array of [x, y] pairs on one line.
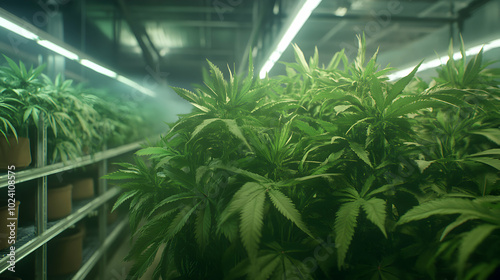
[[8, 223], [60, 199], [79, 120], [14, 152], [59, 205], [64, 253]]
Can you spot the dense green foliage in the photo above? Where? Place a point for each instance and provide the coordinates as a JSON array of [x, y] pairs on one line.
[[326, 173], [21, 98], [80, 120]]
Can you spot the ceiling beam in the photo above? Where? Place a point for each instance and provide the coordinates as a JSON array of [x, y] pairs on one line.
[[342, 24], [200, 51], [260, 15], [184, 23], [394, 18], [467, 12], [429, 10], [150, 53], [165, 9]]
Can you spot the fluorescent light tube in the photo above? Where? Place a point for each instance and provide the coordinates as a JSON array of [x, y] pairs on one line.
[[127, 81], [17, 29], [57, 49], [71, 55], [98, 68], [293, 28], [340, 11], [444, 59], [492, 45], [266, 68], [135, 85]]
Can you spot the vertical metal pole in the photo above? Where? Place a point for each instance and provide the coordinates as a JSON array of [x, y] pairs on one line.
[[55, 66], [55, 63], [454, 30], [41, 200], [83, 31], [103, 215], [208, 31], [83, 27], [203, 34]]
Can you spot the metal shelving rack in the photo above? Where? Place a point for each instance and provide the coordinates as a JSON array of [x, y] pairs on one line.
[[48, 230], [41, 171], [100, 252], [43, 231]]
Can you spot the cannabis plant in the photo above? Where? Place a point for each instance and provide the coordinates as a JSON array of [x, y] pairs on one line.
[[318, 174], [6, 109], [20, 88], [480, 219], [80, 120]]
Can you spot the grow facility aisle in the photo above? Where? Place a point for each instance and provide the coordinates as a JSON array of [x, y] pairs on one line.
[[304, 139], [117, 268]]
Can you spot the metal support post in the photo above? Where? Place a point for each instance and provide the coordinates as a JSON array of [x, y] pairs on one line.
[[41, 200]]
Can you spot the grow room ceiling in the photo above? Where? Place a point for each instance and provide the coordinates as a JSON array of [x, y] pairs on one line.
[[171, 40]]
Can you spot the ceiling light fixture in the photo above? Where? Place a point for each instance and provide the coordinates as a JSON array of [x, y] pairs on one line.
[[276, 8], [340, 11], [98, 68], [58, 49], [444, 59], [299, 18], [17, 29], [54, 47]]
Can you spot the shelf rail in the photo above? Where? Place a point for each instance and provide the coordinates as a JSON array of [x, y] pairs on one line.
[[60, 226], [34, 173], [100, 252]]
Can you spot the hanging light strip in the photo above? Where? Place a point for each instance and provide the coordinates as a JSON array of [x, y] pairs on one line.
[[43, 40], [58, 49], [98, 68], [444, 59], [17, 29], [292, 29]]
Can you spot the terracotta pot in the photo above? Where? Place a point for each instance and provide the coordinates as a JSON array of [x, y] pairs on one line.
[[15, 153], [59, 202], [64, 252], [8, 227], [83, 188]]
